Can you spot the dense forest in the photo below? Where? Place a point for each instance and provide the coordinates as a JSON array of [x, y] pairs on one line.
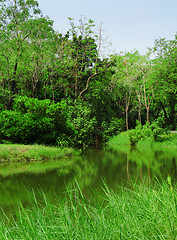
[[57, 89]]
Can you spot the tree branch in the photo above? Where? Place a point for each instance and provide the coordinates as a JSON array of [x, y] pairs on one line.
[[88, 80]]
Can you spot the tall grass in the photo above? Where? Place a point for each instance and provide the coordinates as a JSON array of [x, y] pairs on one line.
[[138, 213]]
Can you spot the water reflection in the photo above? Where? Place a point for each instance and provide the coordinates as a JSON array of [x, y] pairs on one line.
[[116, 166]]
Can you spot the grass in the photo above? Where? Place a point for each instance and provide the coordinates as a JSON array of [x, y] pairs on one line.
[[123, 139], [15, 153], [141, 212], [171, 141]]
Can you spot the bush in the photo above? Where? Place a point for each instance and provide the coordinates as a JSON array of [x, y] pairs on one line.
[[34, 121], [65, 123], [141, 132], [83, 124], [114, 127], [158, 131]]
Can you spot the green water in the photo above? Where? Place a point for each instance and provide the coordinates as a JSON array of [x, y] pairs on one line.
[[118, 166]]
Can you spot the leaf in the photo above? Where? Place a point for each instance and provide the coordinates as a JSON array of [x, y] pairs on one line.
[[169, 180]]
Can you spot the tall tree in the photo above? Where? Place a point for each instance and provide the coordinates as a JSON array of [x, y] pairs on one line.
[[126, 74], [13, 32], [165, 71], [86, 45], [24, 33]]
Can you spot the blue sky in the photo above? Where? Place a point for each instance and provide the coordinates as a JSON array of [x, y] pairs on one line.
[[129, 24]]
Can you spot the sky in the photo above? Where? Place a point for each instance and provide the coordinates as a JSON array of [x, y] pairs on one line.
[[128, 24]]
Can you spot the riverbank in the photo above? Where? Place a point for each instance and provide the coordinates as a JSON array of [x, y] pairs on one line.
[[30, 153], [167, 141], [139, 212], [27, 153]]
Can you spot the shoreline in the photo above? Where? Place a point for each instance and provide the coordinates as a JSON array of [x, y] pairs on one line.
[[29, 153], [123, 140]]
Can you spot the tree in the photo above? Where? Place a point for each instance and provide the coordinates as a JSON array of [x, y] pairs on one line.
[[144, 86], [126, 75], [85, 52], [165, 71], [14, 15], [39, 53]]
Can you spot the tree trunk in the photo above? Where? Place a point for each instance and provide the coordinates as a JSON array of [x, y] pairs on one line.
[[13, 81], [53, 90], [126, 112], [139, 103], [148, 117], [127, 103], [139, 112], [46, 85]]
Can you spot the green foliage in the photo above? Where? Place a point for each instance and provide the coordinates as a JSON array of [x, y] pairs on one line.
[[83, 123], [64, 141], [165, 71], [141, 213], [153, 131], [158, 131], [51, 71], [34, 121], [64, 124], [114, 127], [139, 133]]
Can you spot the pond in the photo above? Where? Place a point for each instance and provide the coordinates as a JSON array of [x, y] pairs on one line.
[[118, 166]]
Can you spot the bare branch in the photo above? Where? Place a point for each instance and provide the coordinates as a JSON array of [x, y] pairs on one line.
[[88, 80]]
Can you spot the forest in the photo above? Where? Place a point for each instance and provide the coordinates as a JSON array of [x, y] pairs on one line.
[[58, 89]]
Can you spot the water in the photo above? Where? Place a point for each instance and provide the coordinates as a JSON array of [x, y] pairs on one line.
[[118, 166]]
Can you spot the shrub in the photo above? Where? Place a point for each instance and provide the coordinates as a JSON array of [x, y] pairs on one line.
[[141, 132], [158, 131], [114, 127], [83, 124], [34, 121]]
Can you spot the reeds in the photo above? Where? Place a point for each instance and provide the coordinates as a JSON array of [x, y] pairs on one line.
[[139, 212]]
